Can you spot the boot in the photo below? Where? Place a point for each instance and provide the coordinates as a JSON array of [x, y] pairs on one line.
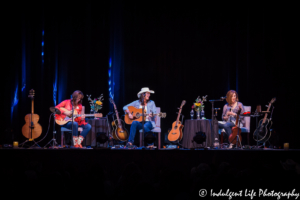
[[80, 139], [75, 141]]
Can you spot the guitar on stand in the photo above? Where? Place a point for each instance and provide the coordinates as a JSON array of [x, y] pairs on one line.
[[119, 131], [235, 135], [176, 132], [262, 132], [32, 129]]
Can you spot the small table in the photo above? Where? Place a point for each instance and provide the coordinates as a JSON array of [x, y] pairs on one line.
[[191, 127], [99, 125]]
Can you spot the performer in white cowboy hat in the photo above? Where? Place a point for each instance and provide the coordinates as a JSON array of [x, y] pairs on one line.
[[150, 108]]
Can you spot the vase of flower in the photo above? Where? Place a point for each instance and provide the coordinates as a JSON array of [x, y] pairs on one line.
[[96, 104], [198, 106], [198, 114]]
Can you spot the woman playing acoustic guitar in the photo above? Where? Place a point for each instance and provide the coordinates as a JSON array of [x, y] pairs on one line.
[[65, 108], [230, 111], [149, 109]]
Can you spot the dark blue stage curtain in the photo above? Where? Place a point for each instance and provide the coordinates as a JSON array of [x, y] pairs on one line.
[[179, 50]]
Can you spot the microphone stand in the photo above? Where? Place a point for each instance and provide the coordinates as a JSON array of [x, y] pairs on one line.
[[213, 117], [72, 142], [143, 120], [54, 144], [108, 130]]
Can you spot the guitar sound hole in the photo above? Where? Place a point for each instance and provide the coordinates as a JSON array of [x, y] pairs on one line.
[[175, 127]]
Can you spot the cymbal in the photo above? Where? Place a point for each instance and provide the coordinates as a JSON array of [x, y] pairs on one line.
[[55, 110]]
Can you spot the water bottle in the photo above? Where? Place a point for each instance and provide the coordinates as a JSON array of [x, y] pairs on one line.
[[216, 144], [192, 114], [202, 114]]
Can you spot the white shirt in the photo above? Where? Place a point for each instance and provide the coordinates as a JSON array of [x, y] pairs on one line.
[[145, 110]]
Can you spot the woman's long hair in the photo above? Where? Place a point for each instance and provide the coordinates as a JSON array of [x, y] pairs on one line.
[[76, 95], [229, 96]]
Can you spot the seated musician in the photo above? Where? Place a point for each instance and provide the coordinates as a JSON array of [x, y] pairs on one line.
[[149, 107], [65, 108], [230, 111]]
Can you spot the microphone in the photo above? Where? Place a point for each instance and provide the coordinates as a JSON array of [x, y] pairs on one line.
[[55, 110], [223, 98]]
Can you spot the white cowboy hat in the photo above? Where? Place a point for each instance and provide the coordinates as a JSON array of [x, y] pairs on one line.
[[145, 89]]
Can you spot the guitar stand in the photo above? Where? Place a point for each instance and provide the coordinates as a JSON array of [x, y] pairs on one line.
[[256, 114], [239, 141], [181, 118], [176, 143], [30, 140]]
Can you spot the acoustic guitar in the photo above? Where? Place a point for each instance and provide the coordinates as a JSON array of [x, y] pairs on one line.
[[137, 115], [176, 131], [32, 129], [60, 120], [236, 130], [119, 131], [262, 132]]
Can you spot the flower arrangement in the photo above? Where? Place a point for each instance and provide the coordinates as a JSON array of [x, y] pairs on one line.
[[199, 103], [95, 104]]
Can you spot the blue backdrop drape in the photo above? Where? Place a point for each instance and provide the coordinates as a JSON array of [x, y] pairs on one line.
[[180, 51]]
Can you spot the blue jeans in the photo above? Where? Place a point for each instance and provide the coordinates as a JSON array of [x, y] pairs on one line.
[[227, 126], [136, 126], [86, 128]]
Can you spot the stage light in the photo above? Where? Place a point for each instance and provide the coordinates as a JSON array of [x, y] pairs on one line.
[[200, 137], [101, 137], [149, 138]]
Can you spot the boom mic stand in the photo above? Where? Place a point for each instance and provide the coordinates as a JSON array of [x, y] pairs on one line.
[[110, 137], [54, 111], [143, 120], [213, 117], [72, 142]]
